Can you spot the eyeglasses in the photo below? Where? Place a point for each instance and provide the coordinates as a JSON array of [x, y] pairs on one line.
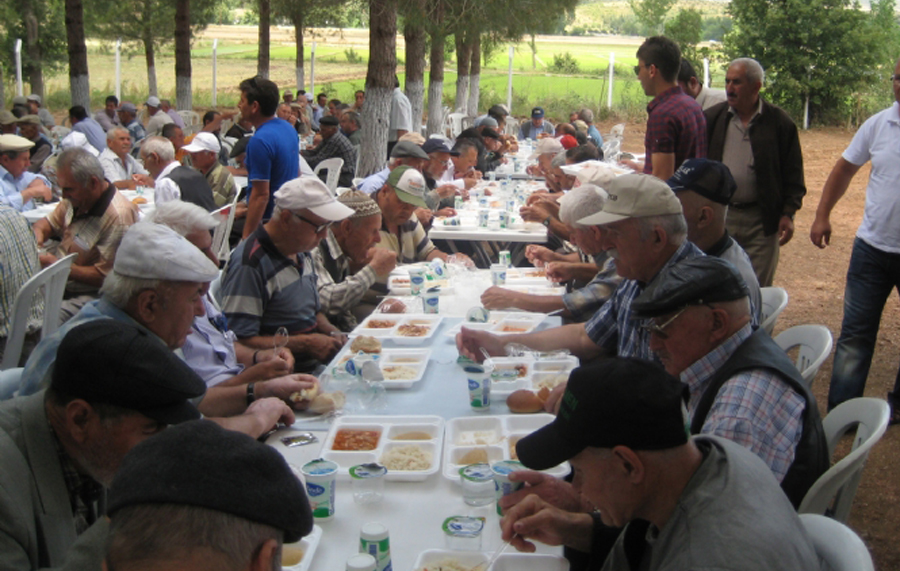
[[319, 227], [651, 326]]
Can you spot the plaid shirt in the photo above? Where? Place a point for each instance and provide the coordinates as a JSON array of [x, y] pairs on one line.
[[338, 290], [337, 146], [584, 302], [18, 263], [754, 408], [612, 327], [84, 491], [676, 124]]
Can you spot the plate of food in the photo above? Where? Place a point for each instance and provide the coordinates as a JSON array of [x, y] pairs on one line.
[[409, 447], [399, 328], [531, 374], [401, 368], [447, 560], [298, 556], [503, 323], [399, 285]]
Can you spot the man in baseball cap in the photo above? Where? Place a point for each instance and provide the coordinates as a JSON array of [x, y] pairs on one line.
[[128, 118], [270, 280], [622, 426], [204, 150], [537, 127], [35, 106], [157, 116], [405, 152], [334, 145]]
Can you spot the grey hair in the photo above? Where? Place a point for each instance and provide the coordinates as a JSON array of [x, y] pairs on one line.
[[119, 289], [579, 203], [752, 69], [111, 134], [353, 116], [163, 148], [183, 217], [81, 164], [148, 533], [674, 225], [559, 159], [586, 115]]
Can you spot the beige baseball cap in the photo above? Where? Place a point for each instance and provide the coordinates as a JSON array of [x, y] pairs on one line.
[[311, 193], [635, 196], [546, 146]]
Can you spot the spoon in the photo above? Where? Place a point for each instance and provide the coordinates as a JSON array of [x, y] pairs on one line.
[[281, 339]]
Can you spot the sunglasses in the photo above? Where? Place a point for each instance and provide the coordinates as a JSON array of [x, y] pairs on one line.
[[319, 227]]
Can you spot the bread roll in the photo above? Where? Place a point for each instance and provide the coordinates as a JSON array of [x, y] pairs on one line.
[[366, 344], [305, 394], [327, 402], [524, 401], [139, 200]]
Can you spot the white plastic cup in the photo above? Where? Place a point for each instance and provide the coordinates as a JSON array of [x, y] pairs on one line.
[[479, 380], [504, 219], [361, 562], [498, 274], [483, 214], [320, 476], [431, 300], [416, 280], [502, 486], [374, 540], [505, 258]]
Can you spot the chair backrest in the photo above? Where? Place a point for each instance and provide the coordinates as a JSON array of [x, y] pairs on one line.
[[10, 379], [832, 494], [456, 124], [333, 166], [53, 279], [813, 343], [511, 126], [220, 243], [191, 118], [837, 546], [774, 300], [215, 288]]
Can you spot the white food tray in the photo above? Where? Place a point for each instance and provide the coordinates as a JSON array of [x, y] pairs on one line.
[[537, 289], [399, 285], [503, 323], [308, 545], [528, 276], [389, 427], [416, 359], [398, 321], [537, 374], [499, 434], [504, 562]]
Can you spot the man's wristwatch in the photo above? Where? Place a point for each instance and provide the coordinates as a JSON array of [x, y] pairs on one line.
[[251, 393], [546, 221]]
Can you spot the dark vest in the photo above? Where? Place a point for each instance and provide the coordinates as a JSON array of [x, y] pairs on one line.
[[41, 142], [759, 351], [194, 187]]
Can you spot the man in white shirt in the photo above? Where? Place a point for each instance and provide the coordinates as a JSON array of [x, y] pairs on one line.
[[706, 97], [119, 167], [18, 186], [107, 117], [401, 116], [461, 169], [173, 181], [158, 117]]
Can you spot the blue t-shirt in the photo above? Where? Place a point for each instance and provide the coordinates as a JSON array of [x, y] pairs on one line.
[[273, 154]]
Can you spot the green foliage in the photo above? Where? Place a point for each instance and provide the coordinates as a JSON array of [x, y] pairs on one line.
[[353, 56], [50, 17], [715, 28], [135, 20], [651, 13], [564, 63], [828, 50], [686, 29]]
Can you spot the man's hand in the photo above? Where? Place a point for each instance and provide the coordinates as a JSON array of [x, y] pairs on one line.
[[470, 342], [535, 519], [322, 347], [37, 189], [820, 233], [282, 354], [536, 253], [561, 271], [47, 260], [556, 492], [537, 212], [499, 298], [554, 399], [445, 212], [785, 230], [462, 259], [267, 413], [270, 368], [283, 387], [447, 190], [143, 179], [424, 215], [382, 260], [636, 166]]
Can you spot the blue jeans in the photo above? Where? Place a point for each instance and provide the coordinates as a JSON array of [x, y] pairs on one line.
[[871, 276]]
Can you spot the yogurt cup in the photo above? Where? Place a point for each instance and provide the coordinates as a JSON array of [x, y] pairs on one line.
[[502, 486], [463, 533], [479, 381], [320, 476], [416, 280]]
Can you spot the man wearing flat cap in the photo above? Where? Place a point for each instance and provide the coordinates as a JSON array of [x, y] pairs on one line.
[[36, 107], [166, 514], [334, 145], [685, 502], [405, 153], [19, 186], [127, 113], [61, 447], [270, 279], [7, 122], [30, 128]]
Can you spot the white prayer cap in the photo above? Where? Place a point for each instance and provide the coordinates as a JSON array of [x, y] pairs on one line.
[[155, 252], [76, 139], [312, 194], [547, 146], [203, 142]]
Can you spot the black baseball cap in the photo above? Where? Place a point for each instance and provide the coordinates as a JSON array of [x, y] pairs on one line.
[[109, 362], [614, 402], [438, 146], [710, 179], [204, 465], [694, 281]]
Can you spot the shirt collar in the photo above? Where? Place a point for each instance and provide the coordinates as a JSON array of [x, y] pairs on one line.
[[266, 243], [698, 375], [759, 110], [720, 246], [99, 207], [668, 93], [334, 248], [168, 170]]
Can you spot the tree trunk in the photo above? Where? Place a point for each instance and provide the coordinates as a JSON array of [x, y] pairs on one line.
[[379, 85], [33, 49], [298, 65], [183, 96], [474, 72], [436, 72], [462, 72], [415, 71], [79, 82], [149, 51], [262, 62]]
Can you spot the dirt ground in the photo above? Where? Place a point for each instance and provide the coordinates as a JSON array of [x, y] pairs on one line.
[[815, 280]]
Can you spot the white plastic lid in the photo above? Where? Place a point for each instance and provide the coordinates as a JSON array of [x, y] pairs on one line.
[[361, 562], [373, 531]]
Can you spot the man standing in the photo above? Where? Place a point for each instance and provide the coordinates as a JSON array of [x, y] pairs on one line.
[[873, 271], [107, 117], [157, 116], [359, 98], [119, 167], [88, 127], [30, 128], [204, 151], [273, 156], [334, 145], [35, 108], [706, 97], [128, 118], [676, 128], [401, 116], [536, 127], [759, 144], [90, 221], [19, 186], [167, 108]]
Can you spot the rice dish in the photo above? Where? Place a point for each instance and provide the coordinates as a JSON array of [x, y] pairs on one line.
[[406, 458], [480, 437], [447, 565], [399, 373]]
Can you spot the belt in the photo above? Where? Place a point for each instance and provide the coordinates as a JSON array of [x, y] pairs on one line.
[[743, 205]]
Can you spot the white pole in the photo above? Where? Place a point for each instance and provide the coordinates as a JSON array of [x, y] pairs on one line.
[[512, 52], [612, 70], [119, 69], [312, 72], [806, 113], [214, 55], [705, 72], [19, 89]]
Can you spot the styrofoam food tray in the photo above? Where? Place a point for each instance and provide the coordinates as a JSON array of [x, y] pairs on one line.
[[537, 373], [398, 320], [389, 427], [308, 545], [504, 562], [537, 289], [414, 358], [528, 276], [500, 320], [501, 431], [399, 285]]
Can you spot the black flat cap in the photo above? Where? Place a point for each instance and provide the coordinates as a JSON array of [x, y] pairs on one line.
[[710, 179], [490, 133], [329, 120], [612, 402], [706, 279], [202, 464], [109, 362], [438, 146]]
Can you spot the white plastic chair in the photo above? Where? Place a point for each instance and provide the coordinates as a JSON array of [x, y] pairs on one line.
[[191, 120], [455, 123], [10, 380], [333, 166], [774, 300], [814, 343], [53, 279], [838, 546], [215, 288], [59, 133], [511, 126], [220, 236], [832, 494]]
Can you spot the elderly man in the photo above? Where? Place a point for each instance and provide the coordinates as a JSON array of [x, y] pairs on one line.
[[62, 447], [622, 428], [174, 181], [270, 280], [197, 476], [350, 127], [30, 128], [107, 117], [400, 122], [439, 194], [35, 108], [285, 112], [347, 246], [18, 264], [19, 186], [175, 135], [676, 128], [593, 134], [157, 116], [743, 387], [119, 167], [204, 151], [706, 97], [544, 152], [167, 108], [537, 127], [759, 144], [461, 171], [7, 123], [128, 118], [334, 145], [87, 126], [582, 303], [406, 153], [90, 222]]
